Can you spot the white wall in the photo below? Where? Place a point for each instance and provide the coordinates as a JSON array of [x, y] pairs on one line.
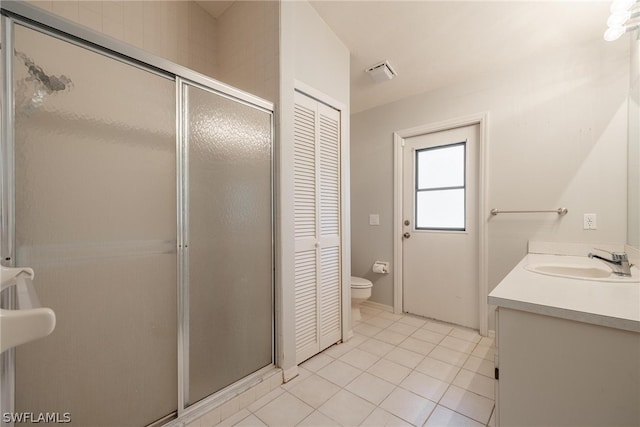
[[312, 54], [556, 138], [321, 59], [180, 31], [239, 48], [247, 45]]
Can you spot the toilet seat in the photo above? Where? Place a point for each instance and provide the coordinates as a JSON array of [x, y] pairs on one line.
[[360, 283]]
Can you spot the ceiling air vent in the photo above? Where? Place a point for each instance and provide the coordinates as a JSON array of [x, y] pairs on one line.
[[381, 72]]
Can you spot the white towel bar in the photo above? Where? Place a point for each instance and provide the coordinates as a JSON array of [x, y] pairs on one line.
[[559, 211]]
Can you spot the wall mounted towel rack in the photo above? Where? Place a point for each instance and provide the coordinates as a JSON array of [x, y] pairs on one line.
[[559, 211]]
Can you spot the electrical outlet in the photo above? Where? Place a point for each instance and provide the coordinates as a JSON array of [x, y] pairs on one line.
[[374, 219], [590, 222]]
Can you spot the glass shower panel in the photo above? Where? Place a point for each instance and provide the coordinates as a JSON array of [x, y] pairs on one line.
[[230, 241], [95, 209]]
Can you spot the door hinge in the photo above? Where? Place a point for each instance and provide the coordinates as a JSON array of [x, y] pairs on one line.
[[496, 373]]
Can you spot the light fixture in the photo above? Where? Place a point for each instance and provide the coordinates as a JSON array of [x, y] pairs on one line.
[[621, 20], [618, 6], [614, 33], [381, 71]]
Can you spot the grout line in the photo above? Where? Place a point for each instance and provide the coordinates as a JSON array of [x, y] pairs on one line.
[[365, 338]]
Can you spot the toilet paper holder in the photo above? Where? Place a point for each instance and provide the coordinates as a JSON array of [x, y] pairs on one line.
[[380, 267]]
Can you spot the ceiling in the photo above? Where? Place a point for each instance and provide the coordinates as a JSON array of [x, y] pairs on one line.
[[437, 43], [432, 43]]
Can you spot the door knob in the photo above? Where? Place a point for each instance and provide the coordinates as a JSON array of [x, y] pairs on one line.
[[406, 235]]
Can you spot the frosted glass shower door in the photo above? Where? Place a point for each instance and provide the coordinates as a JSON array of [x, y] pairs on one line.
[[95, 216], [230, 267]]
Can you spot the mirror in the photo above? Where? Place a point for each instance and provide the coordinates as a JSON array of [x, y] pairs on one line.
[[633, 154]]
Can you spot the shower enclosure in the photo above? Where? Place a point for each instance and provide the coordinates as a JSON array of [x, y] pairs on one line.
[[141, 195]]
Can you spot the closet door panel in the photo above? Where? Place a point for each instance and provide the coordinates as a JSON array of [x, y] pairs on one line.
[[329, 133], [306, 304], [329, 225], [305, 227], [317, 226], [305, 172], [329, 296]]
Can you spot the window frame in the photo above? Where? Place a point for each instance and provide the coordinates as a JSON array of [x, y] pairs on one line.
[[462, 187]]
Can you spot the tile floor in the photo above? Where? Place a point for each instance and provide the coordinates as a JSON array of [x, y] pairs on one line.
[[397, 370]]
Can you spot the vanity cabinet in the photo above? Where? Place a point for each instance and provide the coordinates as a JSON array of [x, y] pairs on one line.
[[560, 372]]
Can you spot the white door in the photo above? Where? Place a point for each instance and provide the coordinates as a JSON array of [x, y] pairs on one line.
[[440, 226], [317, 226]]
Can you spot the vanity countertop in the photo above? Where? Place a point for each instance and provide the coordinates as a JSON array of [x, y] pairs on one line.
[[610, 304]]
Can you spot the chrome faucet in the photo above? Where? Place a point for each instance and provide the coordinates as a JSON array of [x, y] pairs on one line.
[[619, 262]]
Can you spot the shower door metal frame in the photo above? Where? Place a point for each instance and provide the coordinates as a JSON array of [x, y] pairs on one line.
[[7, 199], [21, 13]]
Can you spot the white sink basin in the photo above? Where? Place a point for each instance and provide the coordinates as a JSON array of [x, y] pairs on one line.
[[583, 270]]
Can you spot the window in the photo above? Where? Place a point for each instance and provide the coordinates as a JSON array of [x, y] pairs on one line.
[[440, 188]]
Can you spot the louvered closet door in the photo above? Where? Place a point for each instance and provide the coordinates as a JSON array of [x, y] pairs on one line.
[[329, 225], [305, 224], [317, 226]]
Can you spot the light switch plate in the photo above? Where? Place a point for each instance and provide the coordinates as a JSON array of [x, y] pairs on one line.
[[374, 219]]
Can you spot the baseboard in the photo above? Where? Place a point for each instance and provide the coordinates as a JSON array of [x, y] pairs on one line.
[[289, 374], [492, 333], [379, 306], [348, 336]]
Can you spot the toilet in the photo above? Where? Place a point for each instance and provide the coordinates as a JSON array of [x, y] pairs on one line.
[[360, 292]]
